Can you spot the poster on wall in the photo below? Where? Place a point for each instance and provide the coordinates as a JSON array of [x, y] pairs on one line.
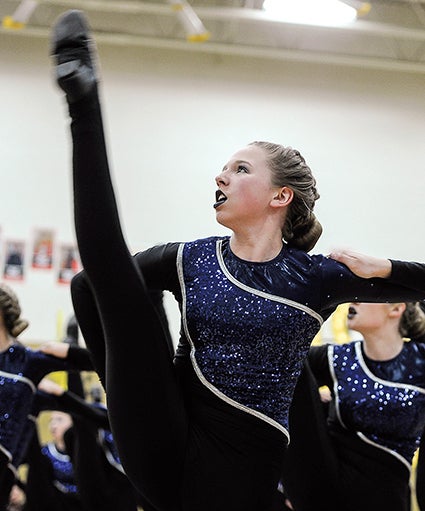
[[42, 254], [69, 263], [14, 259]]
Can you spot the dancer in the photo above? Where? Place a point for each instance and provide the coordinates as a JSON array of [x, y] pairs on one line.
[[98, 471], [21, 369], [51, 483], [362, 454], [212, 427]]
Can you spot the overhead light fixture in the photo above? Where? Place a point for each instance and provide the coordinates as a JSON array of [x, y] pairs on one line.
[[194, 28], [312, 12], [362, 8], [21, 16]]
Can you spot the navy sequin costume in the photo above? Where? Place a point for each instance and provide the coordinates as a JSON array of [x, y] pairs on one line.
[[21, 369], [374, 427], [63, 471], [386, 413], [216, 419]]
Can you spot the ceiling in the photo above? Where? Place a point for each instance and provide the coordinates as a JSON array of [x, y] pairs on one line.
[[390, 36]]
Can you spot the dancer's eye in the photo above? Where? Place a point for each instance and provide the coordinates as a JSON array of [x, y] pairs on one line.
[[241, 168]]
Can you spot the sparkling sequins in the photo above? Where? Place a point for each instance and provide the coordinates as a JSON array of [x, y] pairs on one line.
[[248, 345], [391, 414], [63, 472]]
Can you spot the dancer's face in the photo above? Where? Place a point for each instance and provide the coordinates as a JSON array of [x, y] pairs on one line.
[[245, 190], [58, 424], [368, 317]]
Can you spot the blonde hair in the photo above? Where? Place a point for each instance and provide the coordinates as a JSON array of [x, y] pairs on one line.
[[11, 311], [412, 322], [301, 229]]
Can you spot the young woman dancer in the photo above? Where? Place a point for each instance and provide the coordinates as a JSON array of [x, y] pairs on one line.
[[21, 369], [51, 482], [210, 431], [359, 457], [99, 474]]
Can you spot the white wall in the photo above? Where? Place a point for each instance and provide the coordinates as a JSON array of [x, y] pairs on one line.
[[172, 121]]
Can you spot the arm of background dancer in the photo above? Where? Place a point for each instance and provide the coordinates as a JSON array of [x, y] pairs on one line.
[[57, 349], [318, 362], [76, 355], [363, 265], [75, 405], [50, 387]]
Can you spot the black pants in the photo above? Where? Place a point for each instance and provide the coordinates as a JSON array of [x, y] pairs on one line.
[[337, 471]]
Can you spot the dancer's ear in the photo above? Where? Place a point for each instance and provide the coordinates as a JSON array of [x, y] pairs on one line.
[[283, 197]]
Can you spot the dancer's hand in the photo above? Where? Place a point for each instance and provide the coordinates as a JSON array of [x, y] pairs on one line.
[[363, 265], [50, 387], [58, 349]]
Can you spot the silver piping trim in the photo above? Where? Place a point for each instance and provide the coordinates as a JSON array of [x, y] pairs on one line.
[[13, 469], [335, 384], [58, 455], [386, 449], [256, 292], [195, 365], [7, 453], [108, 453], [23, 379], [357, 347]]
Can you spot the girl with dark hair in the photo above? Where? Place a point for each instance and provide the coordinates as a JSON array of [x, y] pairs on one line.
[[21, 369], [208, 432]]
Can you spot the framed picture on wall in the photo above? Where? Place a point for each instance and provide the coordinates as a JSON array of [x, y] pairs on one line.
[[42, 253], [14, 259], [69, 263]]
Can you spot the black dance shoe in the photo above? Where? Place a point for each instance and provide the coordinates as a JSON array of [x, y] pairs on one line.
[[72, 332], [73, 49]]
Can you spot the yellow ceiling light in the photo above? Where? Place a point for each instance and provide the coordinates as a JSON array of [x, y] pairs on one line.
[[21, 16], [193, 26], [362, 8]]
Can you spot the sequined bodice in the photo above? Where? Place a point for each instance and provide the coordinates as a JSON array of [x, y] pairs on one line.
[[63, 471], [247, 345], [21, 369], [386, 413]]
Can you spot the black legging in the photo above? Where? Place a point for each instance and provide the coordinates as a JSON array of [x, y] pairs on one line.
[[310, 469], [151, 433], [338, 472]]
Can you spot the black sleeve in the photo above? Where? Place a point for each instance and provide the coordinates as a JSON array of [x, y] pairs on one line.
[[319, 365], [340, 285], [40, 493], [75, 405], [159, 267], [80, 358], [409, 274]]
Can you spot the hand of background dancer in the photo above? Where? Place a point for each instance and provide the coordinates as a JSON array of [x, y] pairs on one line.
[[363, 265], [58, 349], [50, 387]]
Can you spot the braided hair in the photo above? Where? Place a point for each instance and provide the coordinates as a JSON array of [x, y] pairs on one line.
[[11, 311], [288, 167], [412, 322]]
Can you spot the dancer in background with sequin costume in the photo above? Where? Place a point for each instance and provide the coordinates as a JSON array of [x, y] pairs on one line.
[[359, 458], [209, 431], [51, 482], [21, 369]]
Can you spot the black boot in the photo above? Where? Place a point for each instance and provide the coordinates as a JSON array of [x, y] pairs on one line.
[[73, 49], [72, 332]]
